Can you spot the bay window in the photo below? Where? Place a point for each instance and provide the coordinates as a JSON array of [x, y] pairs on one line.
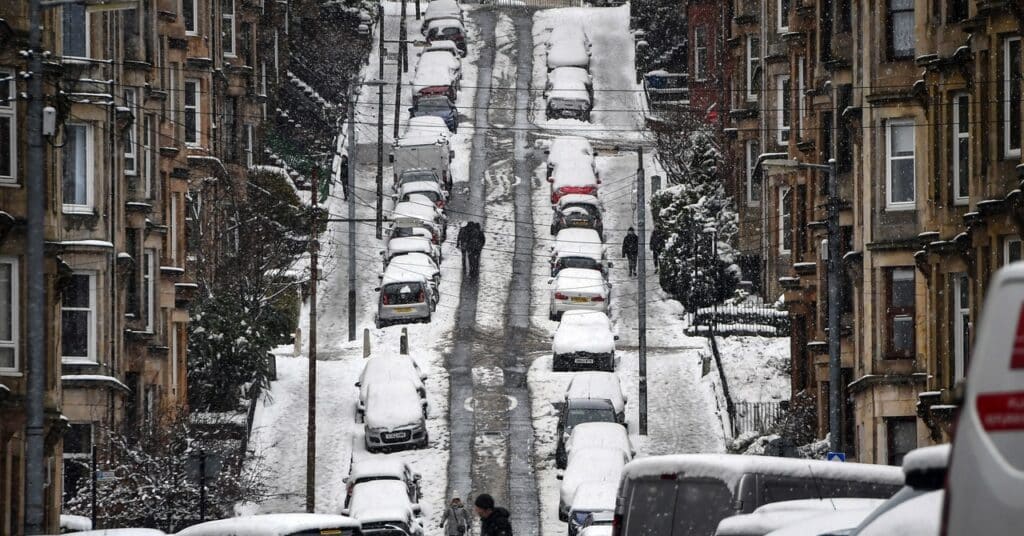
[[75, 30], [900, 26]]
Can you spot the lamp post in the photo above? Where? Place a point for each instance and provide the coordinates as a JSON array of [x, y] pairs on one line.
[[781, 166]]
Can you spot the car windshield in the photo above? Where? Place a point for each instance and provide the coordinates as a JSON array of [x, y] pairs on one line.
[[417, 176], [402, 293], [578, 262], [393, 528], [433, 106], [582, 415], [406, 232], [432, 196], [325, 530], [574, 208], [580, 517]]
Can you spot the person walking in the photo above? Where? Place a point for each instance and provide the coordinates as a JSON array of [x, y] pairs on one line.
[[630, 249], [493, 520], [456, 520], [475, 241], [657, 245], [460, 242]]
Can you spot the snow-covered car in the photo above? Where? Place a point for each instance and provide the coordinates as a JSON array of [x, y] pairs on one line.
[[388, 369], [920, 516], [698, 491], [416, 175], [588, 465], [599, 385], [568, 52], [381, 502], [924, 471], [570, 75], [595, 434], [775, 516], [578, 248], [568, 99], [264, 525], [437, 106], [576, 412], [394, 417], [571, 151], [578, 289], [422, 264], [404, 296], [441, 44], [831, 523], [577, 211], [434, 78], [384, 467], [447, 30], [596, 522], [148, 532], [441, 56], [568, 179], [591, 497], [440, 9], [390, 521], [430, 189], [597, 530], [408, 240], [584, 341], [418, 210], [568, 32]]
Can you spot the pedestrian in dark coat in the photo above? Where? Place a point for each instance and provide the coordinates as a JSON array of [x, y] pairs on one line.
[[475, 241], [493, 520], [457, 518], [630, 249], [460, 242], [657, 245]]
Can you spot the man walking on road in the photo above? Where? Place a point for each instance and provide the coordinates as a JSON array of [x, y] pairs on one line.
[[657, 245], [460, 243], [630, 249], [493, 521], [457, 519], [474, 243]]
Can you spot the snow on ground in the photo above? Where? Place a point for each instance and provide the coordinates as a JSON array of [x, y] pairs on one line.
[[756, 368], [617, 97]]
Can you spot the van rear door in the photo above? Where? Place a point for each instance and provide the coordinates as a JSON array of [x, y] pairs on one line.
[[671, 505]]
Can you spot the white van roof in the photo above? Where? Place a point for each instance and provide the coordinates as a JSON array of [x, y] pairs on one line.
[[266, 525]]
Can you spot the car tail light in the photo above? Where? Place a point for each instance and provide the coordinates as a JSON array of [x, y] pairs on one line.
[[384, 299], [617, 525], [440, 203], [422, 297], [560, 296], [597, 298]]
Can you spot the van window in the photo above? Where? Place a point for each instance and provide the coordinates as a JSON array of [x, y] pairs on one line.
[[691, 506], [778, 488], [402, 293]]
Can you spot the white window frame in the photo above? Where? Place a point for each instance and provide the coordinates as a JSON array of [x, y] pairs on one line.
[[173, 93], [172, 236], [1007, 243], [90, 164], [783, 130], [149, 164], [88, 36], [228, 25], [14, 342], [195, 109], [782, 15], [249, 146], [700, 53], [960, 133], [889, 158], [1008, 151], [195, 17], [263, 79], [174, 358], [961, 321], [91, 342], [131, 152], [785, 212], [149, 269], [800, 97], [752, 64], [9, 111], [751, 160]]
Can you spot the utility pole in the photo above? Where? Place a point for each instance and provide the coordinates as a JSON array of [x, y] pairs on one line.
[[351, 213], [835, 371], [314, 247], [641, 286], [380, 127], [402, 53], [417, 9], [34, 269]]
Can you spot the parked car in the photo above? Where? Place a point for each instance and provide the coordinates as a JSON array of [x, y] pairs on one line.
[[416, 175], [588, 465], [602, 386], [775, 516], [380, 503], [598, 520], [986, 467], [823, 523], [574, 75], [410, 239], [372, 468], [568, 46], [573, 179], [424, 146], [432, 190], [132, 532], [580, 411], [572, 151], [405, 296], [410, 267], [584, 341], [442, 57], [395, 417], [577, 211], [437, 106], [448, 46], [390, 369], [261, 525], [419, 210], [568, 99], [578, 289], [447, 30], [591, 497], [924, 471], [597, 434], [692, 493], [441, 9], [578, 248]]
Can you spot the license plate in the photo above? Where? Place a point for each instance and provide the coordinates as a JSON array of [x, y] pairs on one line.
[[578, 299], [395, 435], [585, 360], [579, 223], [403, 309]]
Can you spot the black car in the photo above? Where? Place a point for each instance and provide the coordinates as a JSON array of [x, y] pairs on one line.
[[580, 215], [439, 106], [578, 411]]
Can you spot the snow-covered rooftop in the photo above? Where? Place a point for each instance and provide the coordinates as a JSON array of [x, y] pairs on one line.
[[266, 525], [578, 242], [392, 405], [595, 496], [594, 384]]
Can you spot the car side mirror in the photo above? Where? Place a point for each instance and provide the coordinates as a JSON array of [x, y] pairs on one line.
[[416, 509], [616, 337], [376, 289], [344, 511], [560, 476], [391, 157], [551, 280]]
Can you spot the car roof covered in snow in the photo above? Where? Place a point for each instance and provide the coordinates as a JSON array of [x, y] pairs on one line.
[[380, 497], [405, 244], [581, 280], [267, 525], [417, 261], [446, 22], [933, 458], [610, 435], [597, 530], [590, 465], [140, 532], [919, 516], [568, 31], [440, 56], [378, 465], [568, 88], [569, 75], [730, 467], [442, 44], [568, 53], [578, 242], [578, 173], [585, 331], [392, 405], [595, 384], [570, 147], [442, 9], [425, 130], [420, 186], [418, 207], [390, 366], [591, 496], [759, 523], [399, 272], [823, 522], [583, 199], [830, 505], [432, 74]]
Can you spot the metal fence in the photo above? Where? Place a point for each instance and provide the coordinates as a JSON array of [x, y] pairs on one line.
[[741, 319], [757, 417], [538, 3]]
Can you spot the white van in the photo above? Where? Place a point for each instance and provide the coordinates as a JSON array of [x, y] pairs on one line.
[[268, 525], [985, 485]]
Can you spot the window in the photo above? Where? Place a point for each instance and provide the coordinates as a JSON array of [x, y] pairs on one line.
[[9, 306], [800, 98], [75, 30], [782, 88], [845, 130], [753, 179], [961, 148], [78, 444], [78, 318], [956, 10], [1011, 97], [263, 79], [189, 10], [8, 129], [148, 288], [77, 162], [1011, 250], [172, 236], [900, 313], [961, 324], [901, 29], [901, 437], [193, 121], [227, 30], [844, 16], [785, 219], [900, 181], [172, 97], [700, 53], [130, 137], [149, 167], [131, 246], [753, 67], [783, 16], [249, 160]]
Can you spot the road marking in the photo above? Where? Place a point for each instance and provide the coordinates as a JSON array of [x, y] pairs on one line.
[[470, 403]]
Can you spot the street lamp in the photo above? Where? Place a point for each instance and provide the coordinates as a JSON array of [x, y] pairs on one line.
[[781, 166]]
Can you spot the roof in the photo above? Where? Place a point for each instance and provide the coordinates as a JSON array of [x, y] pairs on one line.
[[576, 171], [585, 331], [380, 500], [568, 146], [579, 242], [416, 208], [580, 280], [568, 53], [392, 405], [425, 130], [405, 244], [569, 75], [378, 465], [398, 272], [827, 505], [268, 525], [759, 523], [591, 496], [594, 384], [132, 532], [431, 75]]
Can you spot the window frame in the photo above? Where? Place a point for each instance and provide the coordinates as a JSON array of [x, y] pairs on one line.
[[752, 150], [1008, 92], [890, 158], [892, 313], [131, 152], [14, 342], [890, 31], [227, 20], [961, 132], [957, 11], [91, 349], [9, 111], [1008, 242], [700, 53], [172, 236], [753, 66], [195, 17], [801, 98], [88, 34], [782, 8], [194, 109], [149, 274], [784, 116], [890, 441], [90, 155], [785, 214], [961, 324], [250, 148], [149, 163]]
